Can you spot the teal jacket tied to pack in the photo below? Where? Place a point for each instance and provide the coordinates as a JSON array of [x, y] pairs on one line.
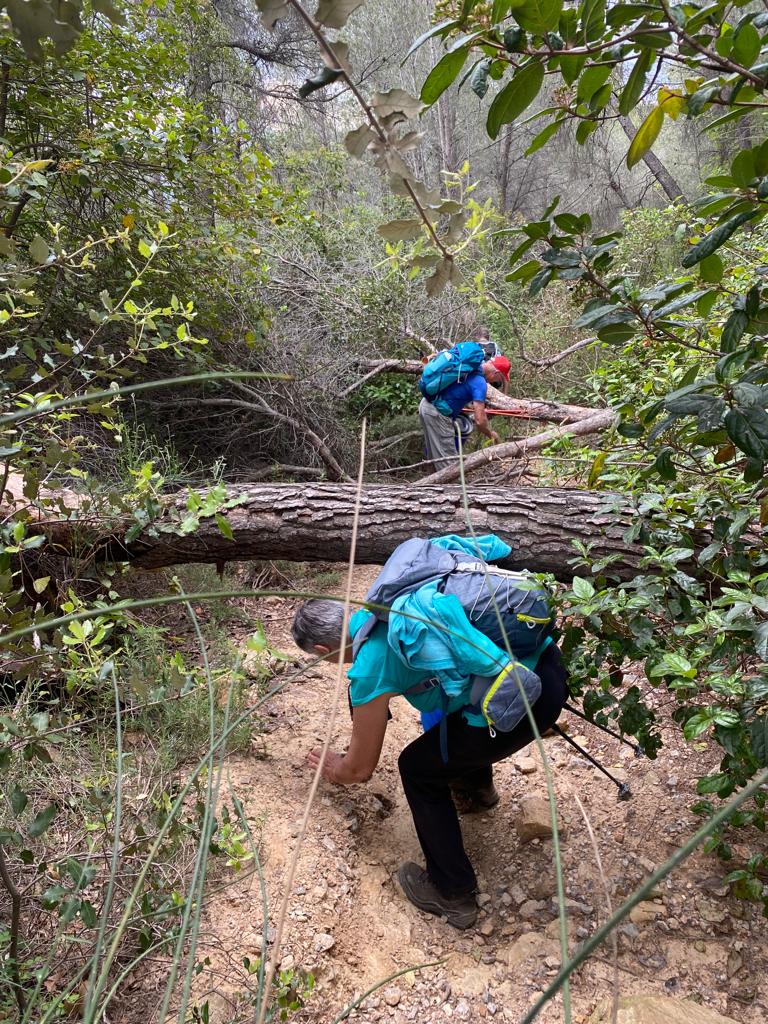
[[434, 595]]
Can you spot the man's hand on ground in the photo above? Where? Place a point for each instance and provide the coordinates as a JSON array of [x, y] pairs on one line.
[[331, 766]]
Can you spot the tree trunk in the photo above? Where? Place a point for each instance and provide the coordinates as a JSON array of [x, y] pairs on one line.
[[313, 522], [654, 165]]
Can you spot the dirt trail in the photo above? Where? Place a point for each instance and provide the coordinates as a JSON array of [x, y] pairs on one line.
[[350, 925]]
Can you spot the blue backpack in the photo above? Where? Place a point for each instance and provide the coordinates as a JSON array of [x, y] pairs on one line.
[[450, 367]]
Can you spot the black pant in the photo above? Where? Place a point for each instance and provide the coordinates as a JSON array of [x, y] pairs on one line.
[[471, 753]]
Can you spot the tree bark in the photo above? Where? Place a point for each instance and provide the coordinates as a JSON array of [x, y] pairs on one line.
[[654, 165], [313, 522]]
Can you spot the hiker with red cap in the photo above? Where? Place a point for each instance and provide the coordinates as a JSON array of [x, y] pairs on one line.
[[452, 380]]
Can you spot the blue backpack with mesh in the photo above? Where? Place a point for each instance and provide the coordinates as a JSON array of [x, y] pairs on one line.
[[451, 366]]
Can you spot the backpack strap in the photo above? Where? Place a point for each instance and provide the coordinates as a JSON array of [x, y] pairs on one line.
[[362, 634]]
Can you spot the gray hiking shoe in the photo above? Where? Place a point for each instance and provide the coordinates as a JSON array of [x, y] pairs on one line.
[[475, 800], [459, 911]]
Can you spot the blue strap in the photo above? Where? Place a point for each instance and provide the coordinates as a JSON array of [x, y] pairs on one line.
[[444, 729]]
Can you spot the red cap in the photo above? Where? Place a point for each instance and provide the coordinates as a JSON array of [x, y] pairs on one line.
[[503, 365]]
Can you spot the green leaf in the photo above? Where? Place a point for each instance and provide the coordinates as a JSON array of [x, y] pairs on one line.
[[478, 83], [592, 80], [748, 429], [515, 97], [733, 329], [633, 90], [596, 469], [582, 588], [442, 75], [584, 130], [664, 465], [711, 269], [525, 271], [646, 135], [223, 524], [334, 13], [144, 250], [758, 734], [543, 137], [400, 230], [746, 45], [537, 16], [40, 584], [592, 19], [717, 237], [42, 821], [571, 66], [326, 76], [436, 30], [19, 800], [38, 250]]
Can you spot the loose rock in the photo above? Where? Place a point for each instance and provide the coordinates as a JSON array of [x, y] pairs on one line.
[[658, 1010], [323, 942]]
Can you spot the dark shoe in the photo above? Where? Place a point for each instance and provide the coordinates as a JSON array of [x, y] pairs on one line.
[[475, 800], [460, 911]]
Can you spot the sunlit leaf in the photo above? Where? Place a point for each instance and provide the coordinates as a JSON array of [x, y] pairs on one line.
[[645, 137]]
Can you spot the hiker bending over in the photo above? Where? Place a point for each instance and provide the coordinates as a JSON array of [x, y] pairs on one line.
[[455, 755], [453, 380]]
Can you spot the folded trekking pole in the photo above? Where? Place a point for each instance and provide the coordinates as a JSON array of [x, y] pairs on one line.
[[623, 787], [624, 791]]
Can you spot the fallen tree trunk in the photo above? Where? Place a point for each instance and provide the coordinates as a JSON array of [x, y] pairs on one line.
[[313, 522], [532, 408], [600, 420]]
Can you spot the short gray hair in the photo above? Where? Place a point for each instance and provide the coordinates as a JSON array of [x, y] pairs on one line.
[[318, 621]]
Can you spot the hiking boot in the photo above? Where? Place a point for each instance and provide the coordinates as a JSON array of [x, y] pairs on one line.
[[459, 911], [472, 801]]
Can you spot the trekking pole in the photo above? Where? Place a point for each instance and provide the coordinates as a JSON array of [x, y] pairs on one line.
[[624, 791], [639, 752]]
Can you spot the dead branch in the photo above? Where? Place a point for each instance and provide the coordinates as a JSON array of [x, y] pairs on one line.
[[600, 421]]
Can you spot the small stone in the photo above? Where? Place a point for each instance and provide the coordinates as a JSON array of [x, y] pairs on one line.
[[287, 963], [323, 942], [517, 894], [534, 820], [525, 765], [506, 899], [392, 995], [644, 913], [483, 898], [531, 908], [487, 927], [463, 1009]]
